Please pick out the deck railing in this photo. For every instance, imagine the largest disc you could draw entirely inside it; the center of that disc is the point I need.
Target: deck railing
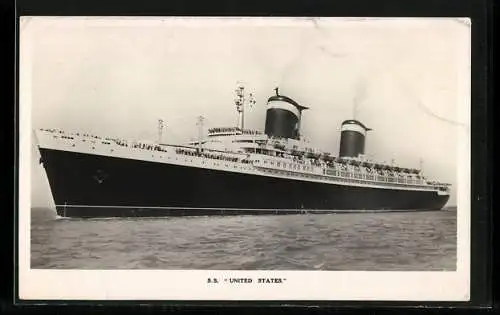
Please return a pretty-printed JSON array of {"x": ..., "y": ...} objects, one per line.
[
  {"x": 297, "y": 167},
  {"x": 346, "y": 176}
]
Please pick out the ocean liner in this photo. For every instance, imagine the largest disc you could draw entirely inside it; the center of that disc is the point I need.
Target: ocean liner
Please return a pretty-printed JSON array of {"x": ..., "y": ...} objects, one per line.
[{"x": 230, "y": 171}]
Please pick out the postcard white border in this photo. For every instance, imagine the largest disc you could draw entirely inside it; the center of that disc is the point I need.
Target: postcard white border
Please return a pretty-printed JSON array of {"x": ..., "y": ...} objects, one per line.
[{"x": 192, "y": 285}]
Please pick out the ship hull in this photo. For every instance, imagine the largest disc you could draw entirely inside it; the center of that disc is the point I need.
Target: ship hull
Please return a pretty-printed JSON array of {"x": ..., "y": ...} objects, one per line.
[{"x": 87, "y": 185}]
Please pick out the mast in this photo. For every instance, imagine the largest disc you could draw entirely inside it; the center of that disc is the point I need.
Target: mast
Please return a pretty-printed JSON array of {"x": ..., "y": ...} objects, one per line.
[
  {"x": 241, "y": 101},
  {"x": 200, "y": 130},
  {"x": 160, "y": 130}
]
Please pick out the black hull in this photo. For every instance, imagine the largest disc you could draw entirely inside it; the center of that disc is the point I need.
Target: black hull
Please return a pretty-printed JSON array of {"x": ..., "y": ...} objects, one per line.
[{"x": 85, "y": 185}]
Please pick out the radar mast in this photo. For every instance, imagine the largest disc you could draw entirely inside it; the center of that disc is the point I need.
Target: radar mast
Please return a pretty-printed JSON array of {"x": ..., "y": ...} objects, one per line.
[{"x": 241, "y": 100}]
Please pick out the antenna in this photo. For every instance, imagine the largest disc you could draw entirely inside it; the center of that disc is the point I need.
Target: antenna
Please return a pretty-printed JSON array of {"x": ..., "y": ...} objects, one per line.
[
  {"x": 199, "y": 123},
  {"x": 241, "y": 101}
]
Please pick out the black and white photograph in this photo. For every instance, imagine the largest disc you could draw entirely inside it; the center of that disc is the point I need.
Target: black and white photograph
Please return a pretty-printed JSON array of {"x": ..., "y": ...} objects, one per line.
[{"x": 215, "y": 158}]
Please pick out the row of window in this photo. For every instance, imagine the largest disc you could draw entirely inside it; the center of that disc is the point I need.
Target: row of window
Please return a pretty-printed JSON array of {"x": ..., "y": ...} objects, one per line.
[
  {"x": 291, "y": 166},
  {"x": 343, "y": 173},
  {"x": 351, "y": 177},
  {"x": 346, "y": 180}
]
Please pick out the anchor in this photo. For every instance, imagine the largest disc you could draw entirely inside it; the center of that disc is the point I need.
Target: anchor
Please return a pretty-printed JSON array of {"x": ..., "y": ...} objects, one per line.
[{"x": 100, "y": 176}]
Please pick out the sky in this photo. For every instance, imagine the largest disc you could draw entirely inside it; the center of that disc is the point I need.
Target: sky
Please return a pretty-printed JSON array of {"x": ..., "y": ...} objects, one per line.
[{"x": 117, "y": 76}]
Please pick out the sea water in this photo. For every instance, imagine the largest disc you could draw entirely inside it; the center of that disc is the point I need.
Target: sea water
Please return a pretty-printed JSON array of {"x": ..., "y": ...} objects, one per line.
[{"x": 416, "y": 241}]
